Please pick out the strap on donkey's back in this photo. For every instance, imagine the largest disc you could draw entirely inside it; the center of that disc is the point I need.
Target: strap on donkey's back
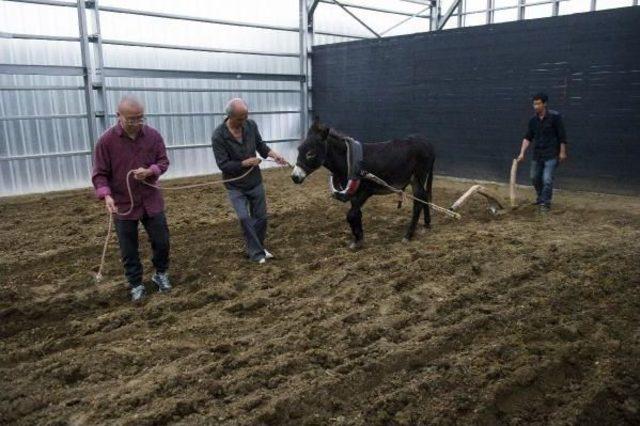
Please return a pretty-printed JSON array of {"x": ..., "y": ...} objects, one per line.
[{"x": 354, "y": 171}]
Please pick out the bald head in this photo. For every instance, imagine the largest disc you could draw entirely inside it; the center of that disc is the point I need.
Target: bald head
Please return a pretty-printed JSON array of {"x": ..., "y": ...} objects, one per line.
[
  {"x": 128, "y": 103},
  {"x": 237, "y": 112},
  {"x": 235, "y": 107},
  {"x": 131, "y": 114}
]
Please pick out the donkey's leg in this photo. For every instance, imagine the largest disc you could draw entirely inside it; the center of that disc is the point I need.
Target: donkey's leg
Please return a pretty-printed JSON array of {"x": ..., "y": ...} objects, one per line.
[
  {"x": 354, "y": 217},
  {"x": 418, "y": 186},
  {"x": 417, "y": 208}
]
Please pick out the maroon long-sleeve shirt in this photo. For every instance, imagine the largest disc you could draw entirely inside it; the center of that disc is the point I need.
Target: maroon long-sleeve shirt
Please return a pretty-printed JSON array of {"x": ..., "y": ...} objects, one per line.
[{"x": 115, "y": 154}]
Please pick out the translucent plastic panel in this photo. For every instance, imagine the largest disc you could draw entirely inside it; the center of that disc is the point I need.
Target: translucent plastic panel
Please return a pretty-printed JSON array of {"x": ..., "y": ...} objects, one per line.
[
  {"x": 184, "y": 33},
  {"x": 575, "y": 6},
  {"x": 475, "y": 6},
  {"x": 475, "y": 19},
  {"x": 538, "y": 11},
  {"x": 272, "y": 12},
  {"x": 38, "y": 52},
  {"x": 505, "y": 3},
  {"x": 505, "y": 15},
  {"x": 38, "y": 19},
  {"x": 612, "y": 4}
]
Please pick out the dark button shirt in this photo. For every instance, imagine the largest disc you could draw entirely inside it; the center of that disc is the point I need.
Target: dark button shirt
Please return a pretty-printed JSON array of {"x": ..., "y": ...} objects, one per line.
[
  {"x": 547, "y": 134},
  {"x": 230, "y": 153},
  {"x": 115, "y": 154}
]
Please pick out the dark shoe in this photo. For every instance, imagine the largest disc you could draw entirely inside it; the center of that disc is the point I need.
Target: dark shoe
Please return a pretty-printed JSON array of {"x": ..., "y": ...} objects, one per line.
[
  {"x": 137, "y": 293},
  {"x": 161, "y": 279}
]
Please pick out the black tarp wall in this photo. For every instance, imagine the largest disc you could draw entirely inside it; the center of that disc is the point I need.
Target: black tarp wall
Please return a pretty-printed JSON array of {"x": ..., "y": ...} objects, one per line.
[{"x": 469, "y": 90}]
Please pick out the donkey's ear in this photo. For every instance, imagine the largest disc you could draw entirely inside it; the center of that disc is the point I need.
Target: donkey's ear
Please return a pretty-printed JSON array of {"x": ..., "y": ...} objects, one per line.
[
  {"x": 316, "y": 121},
  {"x": 324, "y": 131}
]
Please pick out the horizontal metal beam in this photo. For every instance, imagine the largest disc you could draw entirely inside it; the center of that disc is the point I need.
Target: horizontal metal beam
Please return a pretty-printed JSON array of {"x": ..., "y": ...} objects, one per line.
[
  {"x": 424, "y": 2},
  {"x": 211, "y": 113},
  {"x": 36, "y": 88},
  {"x": 197, "y": 48},
  {"x": 197, "y": 90},
  {"x": 151, "y": 114},
  {"x": 88, "y": 151},
  {"x": 209, "y": 75},
  {"x": 46, "y": 155},
  {"x": 376, "y": 9},
  {"x": 22, "y": 36},
  {"x": 41, "y": 117},
  {"x": 195, "y": 19},
  {"x": 57, "y": 70},
  {"x": 327, "y": 33},
  {"x": 48, "y": 2},
  {"x": 208, "y": 145}
]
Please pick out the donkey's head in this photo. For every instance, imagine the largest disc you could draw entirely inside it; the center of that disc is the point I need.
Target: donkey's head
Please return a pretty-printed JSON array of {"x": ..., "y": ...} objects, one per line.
[{"x": 312, "y": 152}]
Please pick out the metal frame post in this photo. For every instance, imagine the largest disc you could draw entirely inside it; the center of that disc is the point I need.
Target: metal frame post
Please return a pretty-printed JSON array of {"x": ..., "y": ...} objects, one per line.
[
  {"x": 490, "y": 12},
  {"x": 556, "y": 8},
  {"x": 435, "y": 15},
  {"x": 593, "y": 5},
  {"x": 521, "y": 10},
  {"x": 304, "y": 69},
  {"x": 87, "y": 73},
  {"x": 99, "y": 83}
]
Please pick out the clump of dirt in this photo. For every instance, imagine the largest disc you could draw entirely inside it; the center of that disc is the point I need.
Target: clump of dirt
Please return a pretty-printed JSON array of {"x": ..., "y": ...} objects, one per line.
[{"x": 514, "y": 319}]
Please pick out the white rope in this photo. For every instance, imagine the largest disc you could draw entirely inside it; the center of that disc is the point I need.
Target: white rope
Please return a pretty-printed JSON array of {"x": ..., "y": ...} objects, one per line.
[
  {"x": 174, "y": 188},
  {"x": 437, "y": 208}
]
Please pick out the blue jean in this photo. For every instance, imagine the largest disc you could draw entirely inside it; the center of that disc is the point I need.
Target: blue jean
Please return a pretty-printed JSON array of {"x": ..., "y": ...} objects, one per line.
[
  {"x": 251, "y": 207},
  {"x": 542, "y": 172}
]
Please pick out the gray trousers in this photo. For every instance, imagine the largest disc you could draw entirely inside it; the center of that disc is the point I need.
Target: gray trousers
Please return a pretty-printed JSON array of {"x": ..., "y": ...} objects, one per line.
[{"x": 251, "y": 207}]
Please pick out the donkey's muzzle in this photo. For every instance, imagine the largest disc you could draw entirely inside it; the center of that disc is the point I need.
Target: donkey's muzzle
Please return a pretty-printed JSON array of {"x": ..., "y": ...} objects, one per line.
[{"x": 298, "y": 175}]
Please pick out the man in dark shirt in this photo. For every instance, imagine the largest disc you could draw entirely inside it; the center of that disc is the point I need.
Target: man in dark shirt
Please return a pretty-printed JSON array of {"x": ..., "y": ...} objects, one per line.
[
  {"x": 235, "y": 143},
  {"x": 132, "y": 145},
  {"x": 546, "y": 131}
]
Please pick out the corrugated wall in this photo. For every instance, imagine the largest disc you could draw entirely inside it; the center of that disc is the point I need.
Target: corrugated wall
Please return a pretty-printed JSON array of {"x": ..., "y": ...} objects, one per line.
[{"x": 54, "y": 153}]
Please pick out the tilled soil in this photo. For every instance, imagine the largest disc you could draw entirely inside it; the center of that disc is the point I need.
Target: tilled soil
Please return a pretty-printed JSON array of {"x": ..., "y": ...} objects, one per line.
[{"x": 514, "y": 319}]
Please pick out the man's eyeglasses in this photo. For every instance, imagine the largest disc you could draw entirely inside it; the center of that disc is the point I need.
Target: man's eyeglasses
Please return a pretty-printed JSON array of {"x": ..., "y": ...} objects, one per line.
[{"x": 133, "y": 121}]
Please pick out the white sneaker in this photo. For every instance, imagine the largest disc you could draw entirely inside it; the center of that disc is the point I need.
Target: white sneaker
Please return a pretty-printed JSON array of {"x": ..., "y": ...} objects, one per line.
[
  {"x": 268, "y": 255},
  {"x": 262, "y": 260}
]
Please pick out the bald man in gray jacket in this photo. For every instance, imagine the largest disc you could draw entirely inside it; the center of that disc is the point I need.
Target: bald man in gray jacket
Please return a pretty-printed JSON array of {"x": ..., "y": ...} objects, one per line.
[{"x": 235, "y": 143}]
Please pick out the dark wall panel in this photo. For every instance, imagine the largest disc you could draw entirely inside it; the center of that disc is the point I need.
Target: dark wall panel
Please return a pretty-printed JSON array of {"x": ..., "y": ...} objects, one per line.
[{"x": 469, "y": 90}]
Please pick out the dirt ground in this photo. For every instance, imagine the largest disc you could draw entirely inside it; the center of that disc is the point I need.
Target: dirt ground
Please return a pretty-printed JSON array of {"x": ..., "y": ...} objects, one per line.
[{"x": 515, "y": 319}]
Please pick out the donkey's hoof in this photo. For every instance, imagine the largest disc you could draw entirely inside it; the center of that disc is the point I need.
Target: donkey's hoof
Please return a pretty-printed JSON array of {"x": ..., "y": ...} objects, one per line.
[{"x": 356, "y": 245}]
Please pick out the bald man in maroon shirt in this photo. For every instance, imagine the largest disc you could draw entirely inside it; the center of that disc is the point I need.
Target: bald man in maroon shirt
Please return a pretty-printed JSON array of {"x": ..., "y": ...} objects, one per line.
[{"x": 132, "y": 145}]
